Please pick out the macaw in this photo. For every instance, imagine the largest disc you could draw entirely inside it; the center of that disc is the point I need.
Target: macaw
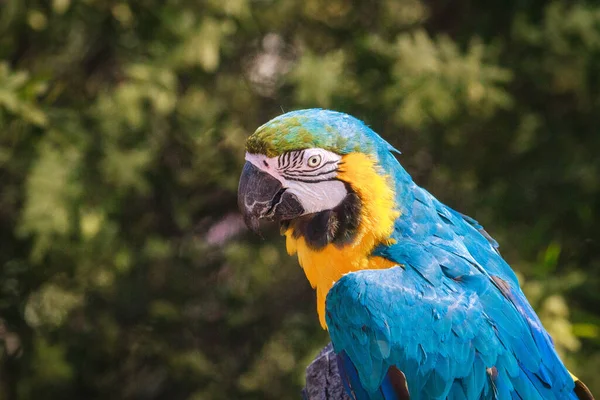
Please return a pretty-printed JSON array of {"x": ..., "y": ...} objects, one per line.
[{"x": 416, "y": 297}]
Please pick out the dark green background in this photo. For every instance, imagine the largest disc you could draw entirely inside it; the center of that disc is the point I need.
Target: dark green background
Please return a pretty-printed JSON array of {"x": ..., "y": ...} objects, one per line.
[{"x": 125, "y": 272}]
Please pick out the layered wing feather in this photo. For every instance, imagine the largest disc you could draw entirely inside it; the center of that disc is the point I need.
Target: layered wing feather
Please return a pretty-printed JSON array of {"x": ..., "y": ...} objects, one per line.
[{"x": 451, "y": 317}]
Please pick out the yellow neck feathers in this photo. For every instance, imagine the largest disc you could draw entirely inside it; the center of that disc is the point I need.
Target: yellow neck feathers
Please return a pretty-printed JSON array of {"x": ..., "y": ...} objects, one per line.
[{"x": 324, "y": 267}]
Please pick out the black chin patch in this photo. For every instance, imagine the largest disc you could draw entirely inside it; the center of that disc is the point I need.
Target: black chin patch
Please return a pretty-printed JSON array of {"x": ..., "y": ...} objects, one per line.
[
  {"x": 337, "y": 226},
  {"x": 321, "y": 229},
  {"x": 348, "y": 218}
]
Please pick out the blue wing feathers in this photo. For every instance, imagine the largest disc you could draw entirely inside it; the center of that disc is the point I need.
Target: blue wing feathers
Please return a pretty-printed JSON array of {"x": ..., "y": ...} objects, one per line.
[
  {"x": 451, "y": 317},
  {"x": 352, "y": 383}
]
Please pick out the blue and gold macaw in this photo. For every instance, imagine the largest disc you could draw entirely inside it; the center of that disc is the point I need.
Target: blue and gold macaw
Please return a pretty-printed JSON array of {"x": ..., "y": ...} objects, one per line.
[{"x": 417, "y": 300}]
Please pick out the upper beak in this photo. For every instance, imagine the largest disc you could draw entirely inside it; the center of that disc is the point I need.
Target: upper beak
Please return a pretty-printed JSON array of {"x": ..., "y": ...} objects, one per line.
[{"x": 261, "y": 196}]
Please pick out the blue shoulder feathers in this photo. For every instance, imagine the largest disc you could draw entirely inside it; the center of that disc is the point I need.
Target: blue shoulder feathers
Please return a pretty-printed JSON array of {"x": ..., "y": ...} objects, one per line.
[{"x": 450, "y": 319}]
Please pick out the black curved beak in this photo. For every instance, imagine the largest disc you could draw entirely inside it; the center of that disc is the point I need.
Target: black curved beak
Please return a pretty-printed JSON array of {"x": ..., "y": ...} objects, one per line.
[{"x": 261, "y": 196}]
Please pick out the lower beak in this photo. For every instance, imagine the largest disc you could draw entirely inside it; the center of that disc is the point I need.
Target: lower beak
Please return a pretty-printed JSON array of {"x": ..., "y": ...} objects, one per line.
[{"x": 261, "y": 196}]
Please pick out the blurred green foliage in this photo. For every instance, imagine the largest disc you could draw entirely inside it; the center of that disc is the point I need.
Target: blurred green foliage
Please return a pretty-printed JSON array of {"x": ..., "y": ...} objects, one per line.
[{"x": 125, "y": 271}]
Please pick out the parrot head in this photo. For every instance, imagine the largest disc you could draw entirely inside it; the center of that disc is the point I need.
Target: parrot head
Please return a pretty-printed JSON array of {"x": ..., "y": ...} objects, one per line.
[{"x": 331, "y": 182}]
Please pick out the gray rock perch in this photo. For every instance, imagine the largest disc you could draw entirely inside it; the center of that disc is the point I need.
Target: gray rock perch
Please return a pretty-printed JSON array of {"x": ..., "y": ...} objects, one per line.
[{"x": 323, "y": 381}]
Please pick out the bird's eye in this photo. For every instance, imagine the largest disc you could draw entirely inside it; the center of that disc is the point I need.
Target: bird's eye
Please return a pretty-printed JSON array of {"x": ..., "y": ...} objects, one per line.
[{"x": 314, "y": 161}]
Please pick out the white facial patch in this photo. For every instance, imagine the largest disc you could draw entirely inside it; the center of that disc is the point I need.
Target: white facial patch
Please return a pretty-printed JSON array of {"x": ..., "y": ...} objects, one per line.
[{"x": 310, "y": 174}]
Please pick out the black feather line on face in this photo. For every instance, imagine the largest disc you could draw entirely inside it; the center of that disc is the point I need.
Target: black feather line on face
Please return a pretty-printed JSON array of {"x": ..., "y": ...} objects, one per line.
[
  {"x": 289, "y": 178},
  {"x": 297, "y": 157},
  {"x": 302, "y": 169},
  {"x": 337, "y": 226},
  {"x": 302, "y": 174}
]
